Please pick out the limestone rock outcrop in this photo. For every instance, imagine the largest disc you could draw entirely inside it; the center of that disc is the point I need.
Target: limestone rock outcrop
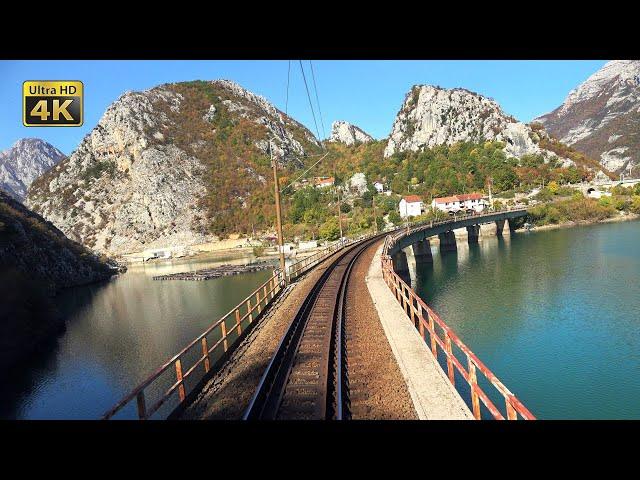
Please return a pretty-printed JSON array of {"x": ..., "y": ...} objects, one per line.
[
  {"x": 601, "y": 117},
  {"x": 345, "y": 132},
  {"x": 143, "y": 177},
  {"x": 433, "y": 116}
]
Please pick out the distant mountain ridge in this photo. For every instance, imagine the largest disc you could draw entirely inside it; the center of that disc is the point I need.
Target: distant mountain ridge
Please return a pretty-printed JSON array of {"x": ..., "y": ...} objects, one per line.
[
  {"x": 601, "y": 117},
  {"x": 25, "y": 161}
]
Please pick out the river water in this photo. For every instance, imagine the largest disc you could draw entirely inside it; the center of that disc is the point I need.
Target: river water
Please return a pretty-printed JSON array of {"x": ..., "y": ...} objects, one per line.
[
  {"x": 119, "y": 332},
  {"x": 554, "y": 314}
]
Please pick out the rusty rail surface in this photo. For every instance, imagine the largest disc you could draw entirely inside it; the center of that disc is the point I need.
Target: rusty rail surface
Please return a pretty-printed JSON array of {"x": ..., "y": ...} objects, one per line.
[
  {"x": 208, "y": 347},
  {"x": 428, "y": 322}
]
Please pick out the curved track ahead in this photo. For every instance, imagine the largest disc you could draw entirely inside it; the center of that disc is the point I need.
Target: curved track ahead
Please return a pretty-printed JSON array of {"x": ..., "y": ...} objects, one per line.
[{"x": 306, "y": 378}]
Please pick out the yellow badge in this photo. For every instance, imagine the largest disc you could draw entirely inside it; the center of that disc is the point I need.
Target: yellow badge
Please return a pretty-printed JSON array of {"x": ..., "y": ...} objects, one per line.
[{"x": 52, "y": 103}]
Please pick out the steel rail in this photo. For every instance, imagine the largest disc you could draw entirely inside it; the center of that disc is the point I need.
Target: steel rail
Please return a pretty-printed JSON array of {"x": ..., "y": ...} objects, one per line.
[{"x": 266, "y": 401}]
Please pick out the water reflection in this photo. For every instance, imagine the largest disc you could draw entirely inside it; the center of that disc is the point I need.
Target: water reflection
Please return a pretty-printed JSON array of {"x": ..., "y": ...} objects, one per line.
[{"x": 117, "y": 333}]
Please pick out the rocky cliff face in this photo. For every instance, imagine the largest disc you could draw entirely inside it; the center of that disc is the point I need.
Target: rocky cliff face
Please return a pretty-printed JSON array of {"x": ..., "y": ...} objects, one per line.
[
  {"x": 601, "y": 117},
  {"x": 345, "y": 132},
  {"x": 25, "y": 161},
  {"x": 433, "y": 116},
  {"x": 164, "y": 166}
]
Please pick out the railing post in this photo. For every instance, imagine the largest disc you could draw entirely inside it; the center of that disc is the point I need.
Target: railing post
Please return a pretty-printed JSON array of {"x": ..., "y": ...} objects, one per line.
[
  {"x": 238, "y": 321},
  {"x": 511, "y": 412},
  {"x": 181, "y": 391},
  {"x": 264, "y": 294},
  {"x": 420, "y": 320},
  {"x": 205, "y": 352},
  {"x": 434, "y": 345},
  {"x": 249, "y": 308},
  {"x": 450, "y": 371},
  {"x": 473, "y": 382},
  {"x": 223, "y": 327},
  {"x": 142, "y": 407}
]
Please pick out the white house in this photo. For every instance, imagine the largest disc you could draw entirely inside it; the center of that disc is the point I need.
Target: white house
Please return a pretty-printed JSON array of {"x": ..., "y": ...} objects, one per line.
[
  {"x": 410, "y": 206},
  {"x": 457, "y": 203},
  {"x": 379, "y": 186},
  {"x": 307, "y": 245}
]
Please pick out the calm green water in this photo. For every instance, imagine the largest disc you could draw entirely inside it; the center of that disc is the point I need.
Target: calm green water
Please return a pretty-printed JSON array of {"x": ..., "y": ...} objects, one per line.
[
  {"x": 117, "y": 334},
  {"x": 555, "y": 315}
]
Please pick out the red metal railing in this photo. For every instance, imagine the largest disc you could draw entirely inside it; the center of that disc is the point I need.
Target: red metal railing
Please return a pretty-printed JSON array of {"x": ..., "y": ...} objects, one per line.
[{"x": 442, "y": 339}]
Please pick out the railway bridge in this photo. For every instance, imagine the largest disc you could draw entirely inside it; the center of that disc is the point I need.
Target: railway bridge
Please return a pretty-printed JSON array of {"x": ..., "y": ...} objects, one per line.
[{"x": 338, "y": 335}]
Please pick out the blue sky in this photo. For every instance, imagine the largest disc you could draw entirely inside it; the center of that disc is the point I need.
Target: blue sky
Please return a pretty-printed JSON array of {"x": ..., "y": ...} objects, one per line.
[{"x": 366, "y": 93}]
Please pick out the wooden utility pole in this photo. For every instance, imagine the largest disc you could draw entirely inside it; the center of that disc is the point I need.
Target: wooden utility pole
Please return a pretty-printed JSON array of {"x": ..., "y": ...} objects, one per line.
[
  {"x": 375, "y": 218},
  {"x": 278, "y": 211},
  {"x": 339, "y": 212}
]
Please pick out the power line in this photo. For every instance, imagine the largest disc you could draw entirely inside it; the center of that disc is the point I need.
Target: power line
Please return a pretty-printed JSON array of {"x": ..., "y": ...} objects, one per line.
[
  {"x": 315, "y": 87},
  {"x": 304, "y": 77},
  {"x": 304, "y": 173}
]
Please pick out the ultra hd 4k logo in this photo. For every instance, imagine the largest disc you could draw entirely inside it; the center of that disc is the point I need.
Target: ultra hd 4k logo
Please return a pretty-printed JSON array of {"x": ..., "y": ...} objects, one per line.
[{"x": 52, "y": 103}]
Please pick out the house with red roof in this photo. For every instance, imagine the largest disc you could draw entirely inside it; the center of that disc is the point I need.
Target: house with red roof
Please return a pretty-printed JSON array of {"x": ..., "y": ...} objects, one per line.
[{"x": 460, "y": 203}]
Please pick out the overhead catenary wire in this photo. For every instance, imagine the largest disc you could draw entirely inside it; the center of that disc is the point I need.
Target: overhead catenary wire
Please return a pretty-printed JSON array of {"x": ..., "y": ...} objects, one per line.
[
  {"x": 306, "y": 86},
  {"x": 304, "y": 173},
  {"x": 315, "y": 87}
]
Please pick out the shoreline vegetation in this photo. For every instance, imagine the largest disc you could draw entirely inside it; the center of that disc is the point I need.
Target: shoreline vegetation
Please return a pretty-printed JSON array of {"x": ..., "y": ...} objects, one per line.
[{"x": 619, "y": 205}]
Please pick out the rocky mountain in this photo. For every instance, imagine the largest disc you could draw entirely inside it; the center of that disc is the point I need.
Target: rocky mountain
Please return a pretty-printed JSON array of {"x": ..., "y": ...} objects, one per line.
[
  {"x": 345, "y": 132},
  {"x": 433, "y": 116},
  {"x": 174, "y": 165},
  {"x": 25, "y": 161},
  {"x": 601, "y": 117},
  {"x": 36, "y": 261}
]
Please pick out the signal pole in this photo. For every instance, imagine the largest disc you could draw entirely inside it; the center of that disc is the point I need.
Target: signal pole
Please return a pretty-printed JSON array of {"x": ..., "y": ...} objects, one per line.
[{"x": 278, "y": 212}]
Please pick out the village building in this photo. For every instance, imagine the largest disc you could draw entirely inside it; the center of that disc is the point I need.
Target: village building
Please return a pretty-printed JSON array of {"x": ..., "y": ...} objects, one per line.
[
  {"x": 308, "y": 245},
  {"x": 460, "y": 203},
  {"x": 411, "y": 206},
  {"x": 324, "y": 182},
  {"x": 595, "y": 193},
  {"x": 379, "y": 186}
]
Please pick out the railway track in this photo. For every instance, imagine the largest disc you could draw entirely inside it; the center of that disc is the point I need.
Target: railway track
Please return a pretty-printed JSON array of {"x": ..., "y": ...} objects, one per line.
[{"x": 306, "y": 378}]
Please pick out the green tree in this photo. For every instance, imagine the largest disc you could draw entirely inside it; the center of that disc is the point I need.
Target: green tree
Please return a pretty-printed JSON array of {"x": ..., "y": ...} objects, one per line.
[
  {"x": 395, "y": 218},
  {"x": 330, "y": 230}
]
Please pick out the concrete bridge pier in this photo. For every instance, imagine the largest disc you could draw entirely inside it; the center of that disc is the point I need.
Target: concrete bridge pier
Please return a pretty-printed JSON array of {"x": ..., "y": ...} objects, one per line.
[
  {"x": 400, "y": 264},
  {"x": 422, "y": 252},
  {"x": 503, "y": 227},
  {"x": 473, "y": 232},
  {"x": 447, "y": 241}
]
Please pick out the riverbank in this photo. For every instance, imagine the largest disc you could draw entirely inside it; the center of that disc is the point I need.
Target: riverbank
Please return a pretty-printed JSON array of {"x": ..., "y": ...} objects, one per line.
[{"x": 573, "y": 223}]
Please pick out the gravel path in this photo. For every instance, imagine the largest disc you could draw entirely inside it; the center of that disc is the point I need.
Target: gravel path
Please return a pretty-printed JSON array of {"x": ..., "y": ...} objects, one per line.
[{"x": 377, "y": 388}]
